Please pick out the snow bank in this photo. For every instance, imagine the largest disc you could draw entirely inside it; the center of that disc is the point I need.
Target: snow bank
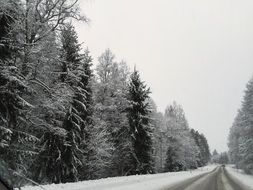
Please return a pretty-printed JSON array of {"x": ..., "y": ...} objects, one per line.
[
  {"x": 147, "y": 182},
  {"x": 241, "y": 176}
]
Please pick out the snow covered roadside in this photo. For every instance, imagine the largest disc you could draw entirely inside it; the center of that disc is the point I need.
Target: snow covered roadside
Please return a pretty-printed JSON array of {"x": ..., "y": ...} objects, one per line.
[
  {"x": 147, "y": 182},
  {"x": 241, "y": 176}
]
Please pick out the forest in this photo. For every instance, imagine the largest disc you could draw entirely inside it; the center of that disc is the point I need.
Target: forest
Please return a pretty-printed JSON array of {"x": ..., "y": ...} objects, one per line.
[
  {"x": 240, "y": 140},
  {"x": 66, "y": 116}
]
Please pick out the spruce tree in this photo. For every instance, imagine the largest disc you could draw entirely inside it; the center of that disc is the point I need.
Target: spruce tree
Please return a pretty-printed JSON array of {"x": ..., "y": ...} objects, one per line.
[
  {"x": 141, "y": 131},
  {"x": 66, "y": 117},
  {"x": 246, "y": 144},
  {"x": 16, "y": 137},
  {"x": 202, "y": 144},
  {"x": 241, "y": 133},
  {"x": 9, "y": 13},
  {"x": 78, "y": 117},
  {"x": 235, "y": 139},
  {"x": 85, "y": 96}
]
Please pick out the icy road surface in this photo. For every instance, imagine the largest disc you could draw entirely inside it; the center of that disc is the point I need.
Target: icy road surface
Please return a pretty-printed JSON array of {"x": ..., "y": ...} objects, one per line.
[
  {"x": 206, "y": 178},
  {"x": 218, "y": 179}
]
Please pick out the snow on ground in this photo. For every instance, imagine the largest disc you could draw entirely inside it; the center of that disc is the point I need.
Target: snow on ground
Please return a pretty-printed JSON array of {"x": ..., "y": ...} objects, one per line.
[
  {"x": 241, "y": 176},
  {"x": 140, "y": 182}
]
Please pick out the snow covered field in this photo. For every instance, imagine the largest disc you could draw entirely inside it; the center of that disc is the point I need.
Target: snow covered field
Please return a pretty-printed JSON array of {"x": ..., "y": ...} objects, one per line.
[
  {"x": 241, "y": 176},
  {"x": 145, "y": 182}
]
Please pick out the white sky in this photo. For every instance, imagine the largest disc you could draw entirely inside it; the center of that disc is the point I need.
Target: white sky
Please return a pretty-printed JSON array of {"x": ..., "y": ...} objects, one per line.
[{"x": 196, "y": 52}]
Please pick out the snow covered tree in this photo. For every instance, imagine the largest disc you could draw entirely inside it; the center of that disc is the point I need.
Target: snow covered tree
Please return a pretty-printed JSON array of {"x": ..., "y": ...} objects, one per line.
[
  {"x": 100, "y": 151},
  {"x": 73, "y": 122},
  {"x": 246, "y": 146},
  {"x": 215, "y": 156},
  {"x": 235, "y": 140},
  {"x": 141, "y": 131},
  {"x": 177, "y": 128},
  {"x": 16, "y": 144},
  {"x": 110, "y": 104},
  {"x": 204, "y": 149},
  {"x": 40, "y": 19},
  {"x": 9, "y": 14},
  {"x": 201, "y": 142},
  {"x": 49, "y": 115},
  {"x": 172, "y": 162},
  {"x": 241, "y": 133},
  {"x": 223, "y": 159},
  {"x": 160, "y": 140},
  {"x": 78, "y": 117},
  {"x": 17, "y": 139},
  {"x": 65, "y": 114},
  {"x": 86, "y": 81}
]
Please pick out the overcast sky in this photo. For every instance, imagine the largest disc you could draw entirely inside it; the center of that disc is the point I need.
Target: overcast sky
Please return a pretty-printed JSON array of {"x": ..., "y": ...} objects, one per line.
[{"x": 196, "y": 52}]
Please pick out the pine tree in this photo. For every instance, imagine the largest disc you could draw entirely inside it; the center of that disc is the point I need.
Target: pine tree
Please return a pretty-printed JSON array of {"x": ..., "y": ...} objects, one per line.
[{"x": 141, "y": 131}]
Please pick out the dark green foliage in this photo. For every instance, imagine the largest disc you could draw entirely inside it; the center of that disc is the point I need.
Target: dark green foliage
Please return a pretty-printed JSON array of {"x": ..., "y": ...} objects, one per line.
[
  {"x": 71, "y": 148},
  {"x": 204, "y": 152},
  {"x": 15, "y": 138},
  {"x": 70, "y": 52},
  {"x": 48, "y": 166},
  {"x": 141, "y": 131},
  {"x": 172, "y": 164},
  {"x": 241, "y": 133},
  {"x": 5, "y": 21},
  {"x": 78, "y": 117},
  {"x": 9, "y": 13},
  {"x": 16, "y": 131},
  {"x": 124, "y": 148},
  {"x": 223, "y": 158}
]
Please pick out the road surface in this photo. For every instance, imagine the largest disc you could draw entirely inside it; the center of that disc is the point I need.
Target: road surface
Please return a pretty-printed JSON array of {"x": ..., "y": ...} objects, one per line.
[{"x": 218, "y": 179}]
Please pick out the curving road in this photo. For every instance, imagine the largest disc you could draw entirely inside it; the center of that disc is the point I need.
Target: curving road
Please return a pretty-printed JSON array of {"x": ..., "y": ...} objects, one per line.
[{"x": 218, "y": 179}]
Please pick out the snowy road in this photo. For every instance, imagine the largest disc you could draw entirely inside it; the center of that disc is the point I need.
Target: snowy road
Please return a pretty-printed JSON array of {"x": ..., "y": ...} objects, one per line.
[
  {"x": 211, "y": 177},
  {"x": 218, "y": 179}
]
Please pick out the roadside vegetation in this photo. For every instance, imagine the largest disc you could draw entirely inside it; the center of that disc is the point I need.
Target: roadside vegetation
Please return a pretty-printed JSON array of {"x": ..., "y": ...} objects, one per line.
[{"x": 66, "y": 117}]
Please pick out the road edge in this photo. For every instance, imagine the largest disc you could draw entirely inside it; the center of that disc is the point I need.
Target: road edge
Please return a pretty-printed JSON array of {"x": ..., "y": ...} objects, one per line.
[
  {"x": 184, "y": 184},
  {"x": 235, "y": 182}
]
